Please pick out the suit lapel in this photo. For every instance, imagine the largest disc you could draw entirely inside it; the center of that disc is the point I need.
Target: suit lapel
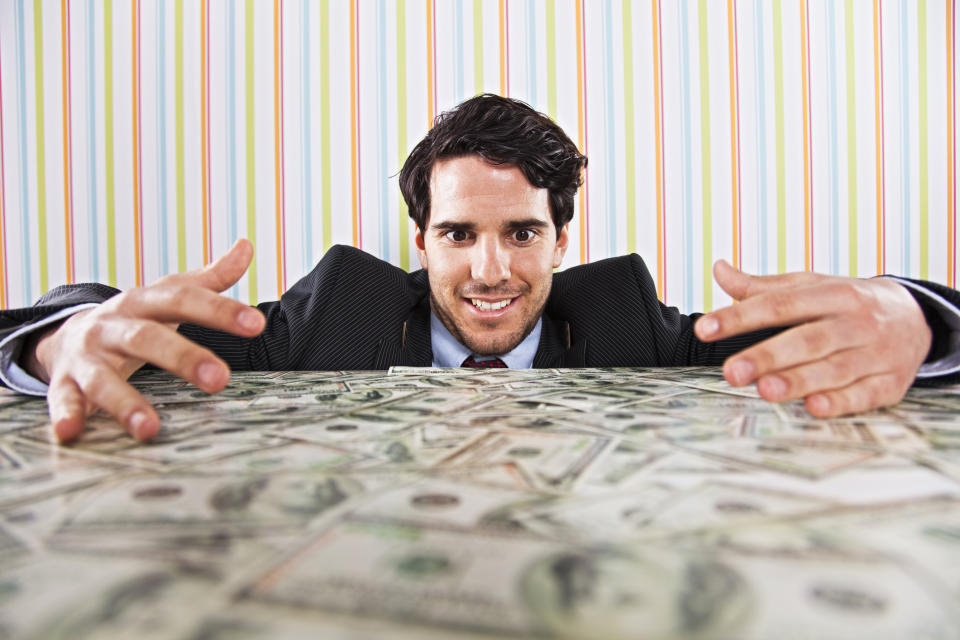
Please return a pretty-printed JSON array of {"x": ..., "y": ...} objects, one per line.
[{"x": 555, "y": 349}]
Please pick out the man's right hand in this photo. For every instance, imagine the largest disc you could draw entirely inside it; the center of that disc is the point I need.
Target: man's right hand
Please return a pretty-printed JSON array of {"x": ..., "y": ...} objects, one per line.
[{"x": 87, "y": 359}]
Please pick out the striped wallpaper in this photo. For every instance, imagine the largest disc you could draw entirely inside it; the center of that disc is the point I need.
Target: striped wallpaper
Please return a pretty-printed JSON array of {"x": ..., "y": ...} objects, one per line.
[{"x": 140, "y": 138}]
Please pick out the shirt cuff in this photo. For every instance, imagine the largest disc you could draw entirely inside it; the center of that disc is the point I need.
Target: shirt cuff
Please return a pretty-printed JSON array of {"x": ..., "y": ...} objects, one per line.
[
  {"x": 950, "y": 363},
  {"x": 11, "y": 373}
]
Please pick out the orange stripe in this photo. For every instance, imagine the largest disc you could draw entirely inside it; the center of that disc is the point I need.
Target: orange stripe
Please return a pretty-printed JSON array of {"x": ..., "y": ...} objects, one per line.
[
  {"x": 659, "y": 135},
  {"x": 136, "y": 145},
  {"x": 204, "y": 54},
  {"x": 733, "y": 134},
  {"x": 430, "y": 45},
  {"x": 580, "y": 124},
  {"x": 877, "y": 133},
  {"x": 503, "y": 49},
  {"x": 67, "y": 212},
  {"x": 276, "y": 143},
  {"x": 951, "y": 205},
  {"x": 353, "y": 118},
  {"x": 806, "y": 137}
]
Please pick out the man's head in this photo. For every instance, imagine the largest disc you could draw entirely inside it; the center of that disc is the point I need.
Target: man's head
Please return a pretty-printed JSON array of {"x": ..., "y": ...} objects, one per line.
[
  {"x": 491, "y": 190},
  {"x": 502, "y": 131}
]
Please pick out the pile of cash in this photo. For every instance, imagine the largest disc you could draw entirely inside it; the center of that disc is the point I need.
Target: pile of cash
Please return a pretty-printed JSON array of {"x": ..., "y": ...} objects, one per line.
[{"x": 438, "y": 503}]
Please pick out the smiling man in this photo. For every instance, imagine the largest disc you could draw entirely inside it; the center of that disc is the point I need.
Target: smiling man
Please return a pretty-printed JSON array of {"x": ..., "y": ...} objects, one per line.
[
  {"x": 489, "y": 247},
  {"x": 491, "y": 191}
]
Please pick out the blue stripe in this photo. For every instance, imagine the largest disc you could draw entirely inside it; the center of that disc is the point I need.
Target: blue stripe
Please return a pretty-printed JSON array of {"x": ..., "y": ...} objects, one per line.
[
  {"x": 162, "y": 221},
  {"x": 24, "y": 185},
  {"x": 92, "y": 140},
  {"x": 761, "y": 115},
  {"x": 905, "y": 136},
  {"x": 610, "y": 132},
  {"x": 232, "y": 131},
  {"x": 834, "y": 141},
  {"x": 385, "y": 217},
  {"x": 306, "y": 171},
  {"x": 685, "y": 97},
  {"x": 458, "y": 47},
  {"x": 532, "y": 52}
]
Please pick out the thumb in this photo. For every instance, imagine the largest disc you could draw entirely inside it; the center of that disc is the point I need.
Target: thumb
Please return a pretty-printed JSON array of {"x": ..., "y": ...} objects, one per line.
[
  {"x": 733, "y": 281},
  {"x": 225, "y": 271},
  {"x": 741, "y": 285}
]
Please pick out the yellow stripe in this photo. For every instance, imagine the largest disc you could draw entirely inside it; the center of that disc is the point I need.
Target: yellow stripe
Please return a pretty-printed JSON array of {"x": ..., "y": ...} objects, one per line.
[{"x": 503, "y": 49}]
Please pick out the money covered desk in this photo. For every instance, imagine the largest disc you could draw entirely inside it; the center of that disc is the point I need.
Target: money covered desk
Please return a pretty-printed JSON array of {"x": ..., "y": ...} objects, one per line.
[{"x": 421, "y": 503}]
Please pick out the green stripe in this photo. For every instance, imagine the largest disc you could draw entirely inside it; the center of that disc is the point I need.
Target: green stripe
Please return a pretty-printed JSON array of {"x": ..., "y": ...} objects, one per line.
[
  {"x": 705, "y": 160},
  {"x": 851, "y": 143},
  {"x": 404, "y": 225},
  {"x": 781, "y": 163},
  {"x": 108, "y": 142},
  {"x": 478, "y": 46},
  {"x": 181, "y": 189},
  {"x": 41, "y": 146},
  {"x": 552, "y": 57},
  {"x": 251, "y": 158},
  {"x": 629, "y": 150},
  {"x": 924, "y": 158},
  {"x": 325, "y": 122}
]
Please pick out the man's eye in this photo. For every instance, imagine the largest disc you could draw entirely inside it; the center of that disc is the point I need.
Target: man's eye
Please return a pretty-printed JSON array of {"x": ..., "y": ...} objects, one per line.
[
  {"x": 457, "y": 235},
  {"x": 523, "y": 235}
]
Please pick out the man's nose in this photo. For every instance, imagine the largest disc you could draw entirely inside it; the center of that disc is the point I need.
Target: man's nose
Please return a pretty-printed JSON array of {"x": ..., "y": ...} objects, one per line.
[{"x": 490, "y": 262}]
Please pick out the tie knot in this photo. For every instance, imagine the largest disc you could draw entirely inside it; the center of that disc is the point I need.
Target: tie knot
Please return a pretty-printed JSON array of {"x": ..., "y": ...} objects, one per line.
[{"x": 493, "y": 363}]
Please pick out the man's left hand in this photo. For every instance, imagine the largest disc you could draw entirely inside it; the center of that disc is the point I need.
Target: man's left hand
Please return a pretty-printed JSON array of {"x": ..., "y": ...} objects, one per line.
[{"x": 853, "y": 344}]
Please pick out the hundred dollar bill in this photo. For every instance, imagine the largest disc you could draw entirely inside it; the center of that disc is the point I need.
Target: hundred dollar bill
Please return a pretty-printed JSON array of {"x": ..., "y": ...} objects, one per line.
[
  {"x": 555, "y": 460},
  {"x": 237, "y": 502}
]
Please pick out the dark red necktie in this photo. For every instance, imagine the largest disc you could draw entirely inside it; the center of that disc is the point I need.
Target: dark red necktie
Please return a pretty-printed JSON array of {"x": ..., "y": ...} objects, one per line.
[{"x": 495, "y": 363}]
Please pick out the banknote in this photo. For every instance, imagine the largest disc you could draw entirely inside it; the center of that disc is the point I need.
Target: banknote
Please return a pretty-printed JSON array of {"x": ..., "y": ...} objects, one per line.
[{"x": 457, "y": 503}]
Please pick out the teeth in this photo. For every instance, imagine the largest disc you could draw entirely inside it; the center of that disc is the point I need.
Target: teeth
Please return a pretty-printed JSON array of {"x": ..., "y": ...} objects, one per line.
[{"x": 483, "y": 305}]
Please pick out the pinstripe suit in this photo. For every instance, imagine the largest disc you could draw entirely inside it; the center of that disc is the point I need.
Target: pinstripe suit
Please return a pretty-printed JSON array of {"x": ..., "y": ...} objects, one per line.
[{"x": 355, "y": 311}]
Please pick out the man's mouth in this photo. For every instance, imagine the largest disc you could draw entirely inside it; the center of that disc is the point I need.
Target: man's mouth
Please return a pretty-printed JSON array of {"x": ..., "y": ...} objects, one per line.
[{"x": 490, "y": 305}]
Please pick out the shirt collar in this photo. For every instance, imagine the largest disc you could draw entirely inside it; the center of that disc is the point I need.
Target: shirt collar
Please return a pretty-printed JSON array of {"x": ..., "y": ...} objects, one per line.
[{"x": 448, "y": 352}]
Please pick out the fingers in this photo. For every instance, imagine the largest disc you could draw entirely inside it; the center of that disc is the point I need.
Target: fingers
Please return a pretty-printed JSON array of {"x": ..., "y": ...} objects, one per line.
[
  {"x": 222, "y": 273},
  {"x": 67, "y": 409},
  {"x": 865, "y": 394},
  {"x": 145, "y": 340},
  {"x": 778, "y": 307},
  {"x": 741, "y": 285},
  {"x": 796, "y": 346},
  {"x": 835, "y": 372},
  {"x": 181, "y": 301},
  {"x": 102, "y": 387}
]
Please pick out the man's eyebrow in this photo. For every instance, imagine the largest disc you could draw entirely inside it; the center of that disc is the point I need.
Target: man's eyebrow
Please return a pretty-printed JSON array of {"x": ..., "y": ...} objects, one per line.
[
  {"x": 450, "y": 225},
  {"x": 529, "y": 223}
]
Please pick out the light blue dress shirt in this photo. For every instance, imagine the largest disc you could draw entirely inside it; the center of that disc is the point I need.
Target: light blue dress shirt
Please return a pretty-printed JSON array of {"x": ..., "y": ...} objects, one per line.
[{"x": 448, "y": 352}]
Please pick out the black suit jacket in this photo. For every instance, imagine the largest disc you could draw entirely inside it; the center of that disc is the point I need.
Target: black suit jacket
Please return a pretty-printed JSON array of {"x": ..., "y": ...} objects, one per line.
[{"x": 355, "y": 311}]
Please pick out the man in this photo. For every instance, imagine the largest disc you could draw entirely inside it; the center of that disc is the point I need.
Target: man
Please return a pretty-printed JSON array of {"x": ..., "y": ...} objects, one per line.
[{"x": 491, "y": 190}]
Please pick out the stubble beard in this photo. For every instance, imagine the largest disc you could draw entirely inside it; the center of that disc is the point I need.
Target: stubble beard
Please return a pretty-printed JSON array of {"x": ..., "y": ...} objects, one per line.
[{"x": 491, "y": 346}]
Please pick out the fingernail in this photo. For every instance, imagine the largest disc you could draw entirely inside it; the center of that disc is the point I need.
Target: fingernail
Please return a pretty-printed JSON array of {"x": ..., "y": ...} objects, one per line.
[
  {"x": 708, "y": 325},
  {"x": 819, "y": 403},
  {"x": 210, "y": 373},
  {"x": 774, "y": 387},
  {"x": 141, "y": 426},
  {"x": 742, "y": 371},
  {"x": 250, "y": 319}
]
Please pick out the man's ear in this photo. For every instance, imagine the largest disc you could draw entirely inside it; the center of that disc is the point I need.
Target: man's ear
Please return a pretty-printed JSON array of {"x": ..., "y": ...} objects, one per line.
[
  {"x": 421, "y": 248},
  {"x": 563, "y": 239}
]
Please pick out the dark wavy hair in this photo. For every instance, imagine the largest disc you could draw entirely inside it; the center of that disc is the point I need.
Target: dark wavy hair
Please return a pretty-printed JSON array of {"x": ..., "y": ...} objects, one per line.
[{"x": 501, "y": 131}]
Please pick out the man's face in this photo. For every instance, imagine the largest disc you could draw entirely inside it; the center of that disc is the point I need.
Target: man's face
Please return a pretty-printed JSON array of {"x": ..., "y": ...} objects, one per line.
[{"x": 489, "y": 249}]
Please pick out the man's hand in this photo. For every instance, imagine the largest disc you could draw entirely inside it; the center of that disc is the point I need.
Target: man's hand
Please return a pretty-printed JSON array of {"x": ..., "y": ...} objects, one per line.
[
  {"x": 88, "y": 358},
  {"x": 853, "y": 345}
]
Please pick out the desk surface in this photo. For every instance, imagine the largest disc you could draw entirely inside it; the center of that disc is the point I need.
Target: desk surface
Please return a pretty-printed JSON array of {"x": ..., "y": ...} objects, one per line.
[{"x": 432, "y": 503}]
